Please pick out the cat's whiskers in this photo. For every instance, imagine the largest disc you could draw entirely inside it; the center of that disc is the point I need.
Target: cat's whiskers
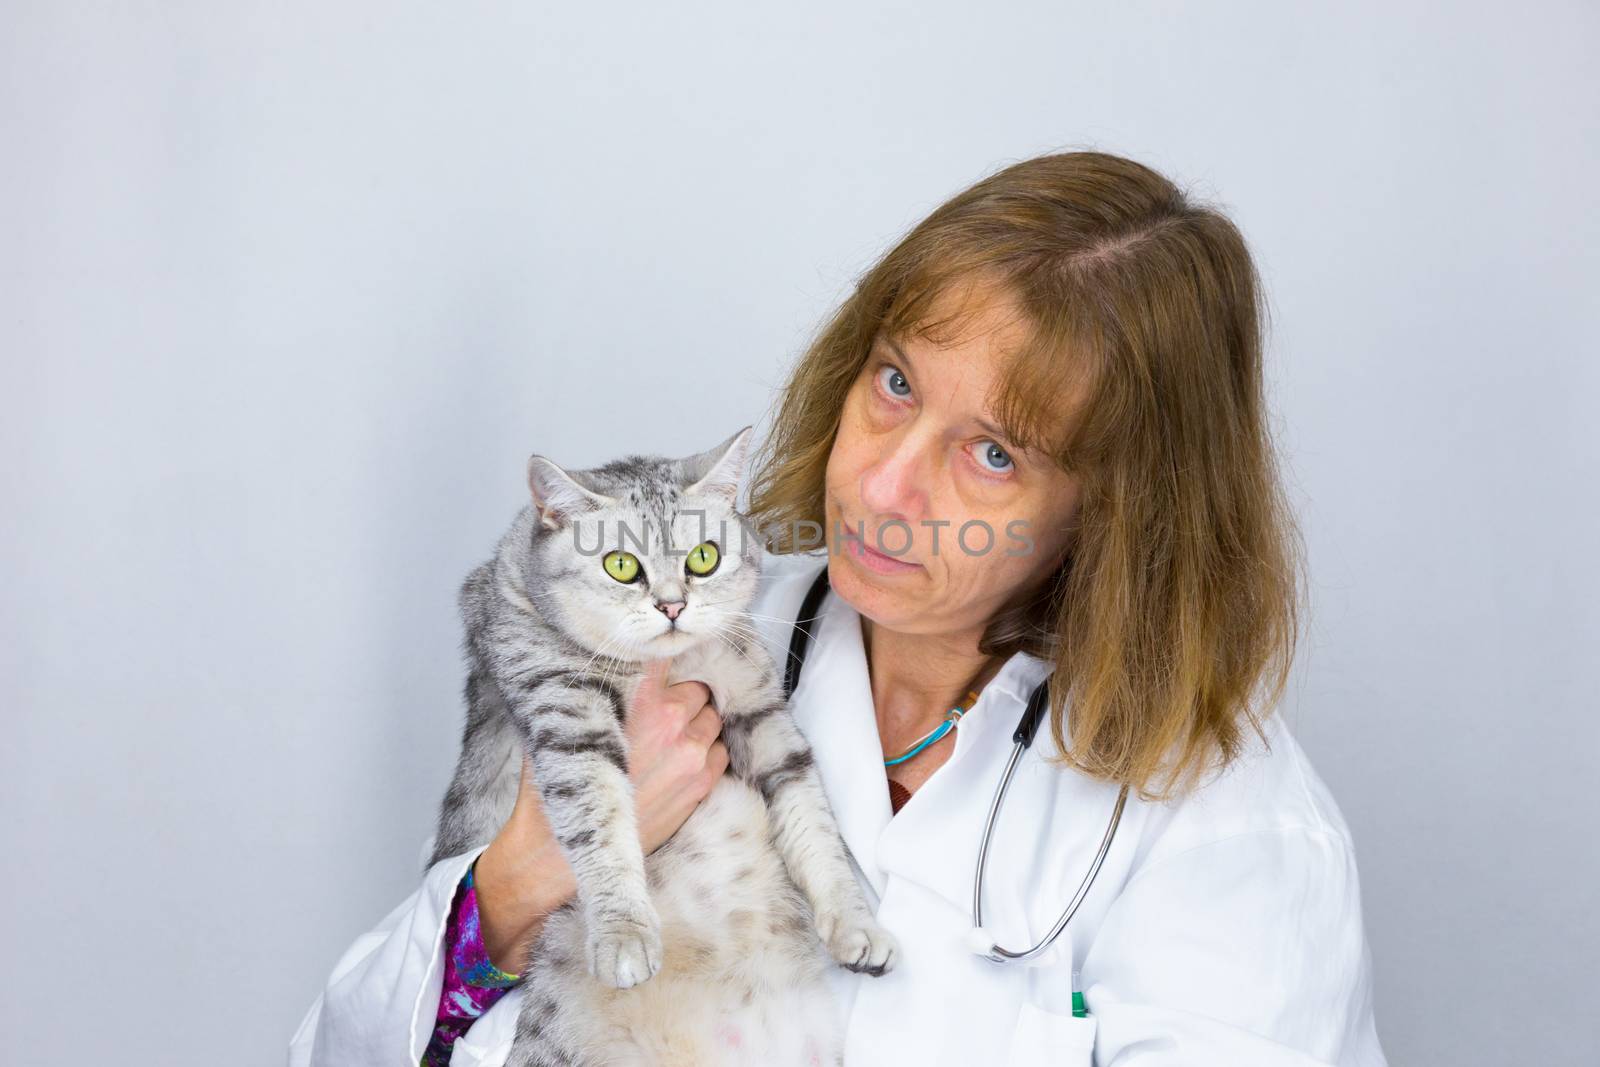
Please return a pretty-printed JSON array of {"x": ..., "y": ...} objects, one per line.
[
  {"x": 754, "y": 635},
  {"x": 725, "y": 639},
  {"x": 620, "y": 639},
  {"x": 767, "y": 618},
  {"x": 753, "y": 632}
]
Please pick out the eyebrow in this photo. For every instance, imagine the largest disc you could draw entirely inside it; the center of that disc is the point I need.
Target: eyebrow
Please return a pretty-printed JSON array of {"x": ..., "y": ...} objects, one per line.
[
  {"x": 886, "y": 339},
  {"x": 984, "y": 424}
]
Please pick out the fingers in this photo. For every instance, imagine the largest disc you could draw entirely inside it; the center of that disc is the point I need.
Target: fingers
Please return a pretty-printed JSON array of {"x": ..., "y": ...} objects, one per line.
[
  {"x": 716, "y": 761},
  {"x": 679, "y": 702},
  {"x": 525, "y": 783},
  {"x": 704, "y": 727},
  {"x": 688, "y": 698},
  {"x": 529, "y": 804},
  {"x": 716, "y": 764}
]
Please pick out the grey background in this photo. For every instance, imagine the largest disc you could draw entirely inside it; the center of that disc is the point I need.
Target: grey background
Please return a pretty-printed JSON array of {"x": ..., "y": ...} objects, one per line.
[{"x": 291, "y": 290}]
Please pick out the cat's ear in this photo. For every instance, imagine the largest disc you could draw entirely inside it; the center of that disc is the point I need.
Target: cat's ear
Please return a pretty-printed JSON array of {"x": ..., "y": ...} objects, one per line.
[
  {"x": 718, "y": 471},
  {"x": 557, "y": 499}
]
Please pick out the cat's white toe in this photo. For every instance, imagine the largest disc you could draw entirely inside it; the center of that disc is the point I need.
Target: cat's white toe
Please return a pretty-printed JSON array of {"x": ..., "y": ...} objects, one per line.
[
  {"x": 625, "y": 951},
  {"x": 858, "y": 943}
]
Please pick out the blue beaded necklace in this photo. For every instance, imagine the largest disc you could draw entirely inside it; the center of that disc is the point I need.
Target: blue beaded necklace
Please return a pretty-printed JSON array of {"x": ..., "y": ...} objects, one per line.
[{"x": 951, "y": 717}]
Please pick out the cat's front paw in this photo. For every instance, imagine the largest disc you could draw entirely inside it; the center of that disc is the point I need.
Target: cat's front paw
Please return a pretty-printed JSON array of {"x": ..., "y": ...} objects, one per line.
[
  {"x": 855, "y": 939},
  {"x": 625, "y": 948}
]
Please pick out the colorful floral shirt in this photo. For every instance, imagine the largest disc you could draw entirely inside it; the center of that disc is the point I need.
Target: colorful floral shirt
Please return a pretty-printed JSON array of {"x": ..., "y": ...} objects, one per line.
[{"x": 471, "y": 983}]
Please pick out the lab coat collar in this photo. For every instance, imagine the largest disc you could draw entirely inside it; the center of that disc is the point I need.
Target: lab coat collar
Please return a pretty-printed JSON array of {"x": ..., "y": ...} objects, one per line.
[
  {"x": 950, "y": 807},
  {"x": 833, "y": 707}
]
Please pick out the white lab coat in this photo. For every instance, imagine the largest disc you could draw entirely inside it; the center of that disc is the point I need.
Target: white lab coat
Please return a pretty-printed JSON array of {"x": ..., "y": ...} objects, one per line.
[{"x": 1223, "y": 929}]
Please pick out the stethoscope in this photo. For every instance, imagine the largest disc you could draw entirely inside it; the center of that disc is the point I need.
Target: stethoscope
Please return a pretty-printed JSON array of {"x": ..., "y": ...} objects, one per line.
[{"x": 1038, "y": 701}]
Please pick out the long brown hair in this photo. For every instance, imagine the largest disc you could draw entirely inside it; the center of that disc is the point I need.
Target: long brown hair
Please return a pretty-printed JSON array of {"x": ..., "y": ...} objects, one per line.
[{"x": 1173, "y": 619}]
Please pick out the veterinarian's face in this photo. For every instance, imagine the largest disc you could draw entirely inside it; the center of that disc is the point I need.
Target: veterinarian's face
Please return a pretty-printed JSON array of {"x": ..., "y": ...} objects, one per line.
[{"x": 920, "y": 469}]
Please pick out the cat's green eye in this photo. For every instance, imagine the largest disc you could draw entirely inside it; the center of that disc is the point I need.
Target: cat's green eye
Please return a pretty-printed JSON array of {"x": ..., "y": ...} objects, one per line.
[
  {"x": 623, "y": 566},
  {"x": 702, "y": 559}
]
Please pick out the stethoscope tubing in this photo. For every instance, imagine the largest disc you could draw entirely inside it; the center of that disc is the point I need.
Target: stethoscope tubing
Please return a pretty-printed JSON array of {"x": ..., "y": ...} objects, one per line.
[
  {"x": 996, "y": 952},
  {"x": 810, "y": 611}
]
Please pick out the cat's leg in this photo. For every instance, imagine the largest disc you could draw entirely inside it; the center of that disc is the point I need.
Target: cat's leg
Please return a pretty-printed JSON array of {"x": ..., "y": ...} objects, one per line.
[
  {"x": 575, "y": 741},
  {"x": 483, "y": 789},
  {"x": 766, "y": 749}
]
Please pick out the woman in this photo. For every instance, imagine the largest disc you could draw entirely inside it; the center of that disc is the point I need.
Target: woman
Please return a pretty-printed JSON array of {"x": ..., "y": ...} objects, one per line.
[{"x": 1034, "y": 444}]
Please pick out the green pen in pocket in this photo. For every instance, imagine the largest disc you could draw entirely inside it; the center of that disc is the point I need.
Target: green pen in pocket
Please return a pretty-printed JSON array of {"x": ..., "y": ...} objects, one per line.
[{"x": 1078, "y": 1010}]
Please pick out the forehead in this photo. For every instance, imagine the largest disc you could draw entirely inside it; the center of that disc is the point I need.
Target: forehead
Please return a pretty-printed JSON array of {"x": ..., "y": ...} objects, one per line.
[
  {"x": 952, "y": 311},
  {"x": 970, "y": 336}
]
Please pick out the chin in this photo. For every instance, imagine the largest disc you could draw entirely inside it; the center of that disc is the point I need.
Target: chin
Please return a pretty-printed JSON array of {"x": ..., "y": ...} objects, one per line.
[
  {"x": 674, "y": 641},
  {"x": 885, "y": 606}
]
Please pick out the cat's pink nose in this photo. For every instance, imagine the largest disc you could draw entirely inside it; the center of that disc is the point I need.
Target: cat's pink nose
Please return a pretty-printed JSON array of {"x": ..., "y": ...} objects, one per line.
[{"x": 670, "y": 609}]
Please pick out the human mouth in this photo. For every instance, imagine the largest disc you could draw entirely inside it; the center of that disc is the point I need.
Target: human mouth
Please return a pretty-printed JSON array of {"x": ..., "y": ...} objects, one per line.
[{"x": 874, "y": 560}]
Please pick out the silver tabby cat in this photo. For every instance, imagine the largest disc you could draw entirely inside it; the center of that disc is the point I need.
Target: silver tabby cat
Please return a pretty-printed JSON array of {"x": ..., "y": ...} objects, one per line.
[{"x": 706, "y": 952}]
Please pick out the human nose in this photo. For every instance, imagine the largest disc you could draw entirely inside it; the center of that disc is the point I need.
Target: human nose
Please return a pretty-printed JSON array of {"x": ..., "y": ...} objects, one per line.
[{"x": 894, "y": 486}]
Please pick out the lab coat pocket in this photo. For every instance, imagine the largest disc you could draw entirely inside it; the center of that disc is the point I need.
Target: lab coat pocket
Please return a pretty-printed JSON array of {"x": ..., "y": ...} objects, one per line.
[{"x": 1047, "y": 1037}]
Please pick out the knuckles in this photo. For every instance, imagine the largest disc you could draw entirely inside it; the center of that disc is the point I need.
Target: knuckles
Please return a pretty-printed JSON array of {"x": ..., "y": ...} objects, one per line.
[
  {"x": 715, "y": 764},
  {"x": 703, "y": 729},
  {"x": 688, "y": 761}
]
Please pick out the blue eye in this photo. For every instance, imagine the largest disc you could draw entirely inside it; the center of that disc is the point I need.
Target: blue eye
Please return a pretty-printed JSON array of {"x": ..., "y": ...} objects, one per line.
[
  {"x": 993, "y": 457},
  {"x": 896, "y": 381}
]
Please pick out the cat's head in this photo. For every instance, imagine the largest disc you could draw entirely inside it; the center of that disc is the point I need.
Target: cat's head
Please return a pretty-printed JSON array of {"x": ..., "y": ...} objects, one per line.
[{"x": 645, "y": 556}]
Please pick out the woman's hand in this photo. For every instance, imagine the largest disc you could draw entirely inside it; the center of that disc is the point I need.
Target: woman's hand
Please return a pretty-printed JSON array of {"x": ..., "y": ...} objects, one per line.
[{"x": 674, "y": 758}]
